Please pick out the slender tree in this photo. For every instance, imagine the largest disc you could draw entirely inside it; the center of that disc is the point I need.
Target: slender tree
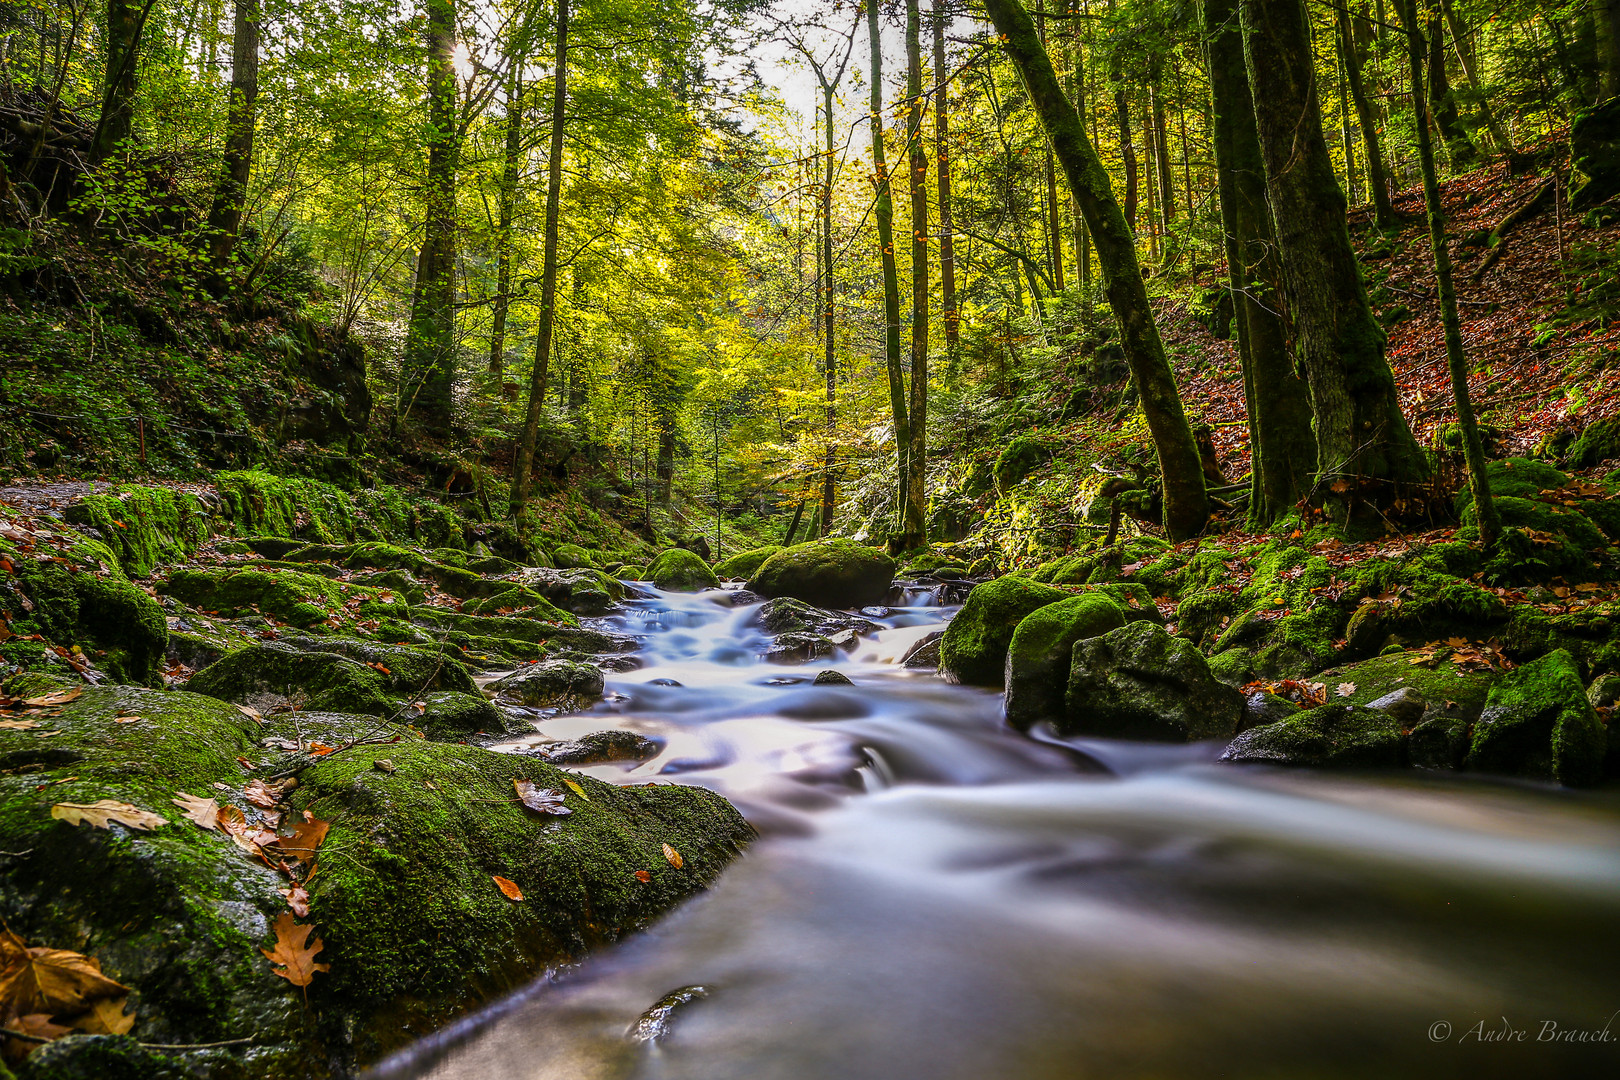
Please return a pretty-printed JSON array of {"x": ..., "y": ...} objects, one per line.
[
  {"x": 1443, "y": 114},
  {"x": 1186, "y": 504},
  {"x": 548, "y": 268},
  {"x": 430, "y": 346},
  {"x": 942, "y": 163},
  {"x": 1360, "y": 432},
  {"x": 883, "y": 212},
  {"x": 1479, "y": 482},
  {"x": 914, "y": 525},
  {"x": 126, "y": 19},
  {"x": 1054, "y": 217},
  {"x": 511, "y": 170},
  {"x": 1366, "y": 119},
  {"x": 230, "y": 193},
  {"x": 1606, "y": 17}
]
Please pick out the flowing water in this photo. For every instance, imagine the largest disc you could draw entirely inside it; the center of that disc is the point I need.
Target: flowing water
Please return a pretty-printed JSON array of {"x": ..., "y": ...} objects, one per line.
[{"x": 935, "y": 896}]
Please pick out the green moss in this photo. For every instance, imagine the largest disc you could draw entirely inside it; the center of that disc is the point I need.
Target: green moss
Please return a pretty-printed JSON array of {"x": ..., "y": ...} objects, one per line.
[
  {"x": 680, "y": 570},
  {"x": 1538, "y": 722},
  {"x": 451, "y": 716},
  {"x": 518, "y": 598},
  {"x": 572, "y": 557},
  {"x": 1335, "y": 736},
  {"x": 1140, "y": 682},
  {"x": 300, "y": 599},
  {"x": 1038, "y": 654},
  {"x": 1598, "y": 442},
  {"x": 1434, "y": 676},
  {"x": 347, "y": 676},
  {"x": 974, "y": 648},
  {"x": 827, "y": 573},
  {"x": 1064, "y": 570},
  {"x": 1022, "y": 456},
  {"x": 1541, "y": 541},
  {"x": 144, "y": 526}
]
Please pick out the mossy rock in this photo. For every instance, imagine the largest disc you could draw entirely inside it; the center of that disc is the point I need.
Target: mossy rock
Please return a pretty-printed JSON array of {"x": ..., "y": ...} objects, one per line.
[
  {"x": 95, "y": 1057},
  {"x": 1541, "y": 541},
  {"x": 1335, "y": 736},
  {"x": 1434, "y": 676},
  {"x": 580, "y": 591},
  {"x": 1022, "y": 456},
  {"x": 680, "y": 570},
  {"x": 1065, "y": 570},
  {"x": 414, "y": 928},
  {"x": 1514, "y": 478},
  {"x": 1038, "y": 656},
  {"x": 573, "y": 557},
  {"x": 144, "y": 526},
  {"x": 1538, "y": 722},
  {"x": 518, "y": 598},
  {"x": 302, "y": 600},
  {"x": 80, "y": 599},
  {"x": 741, "y": 566},
  {"x": 974, "y": 648},
  {"x": 1139, "y": 682},
  {"x": 451, "y": 716},
  {"x": 559, "y": 684},
  {"x": 271, "y": 673},
  {"x": 828, "y": 573},
  {"x": 1599, "y": 441}
]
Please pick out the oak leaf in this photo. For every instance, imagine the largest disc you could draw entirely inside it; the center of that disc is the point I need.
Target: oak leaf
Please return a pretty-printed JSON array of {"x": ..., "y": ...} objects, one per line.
[
  {"x": 57, "y": 697},
  {"x": 297, "y": 899},
  {"x": 103, "y": 812},
  {"x": 261, "y": 794},
  {"x": 18, "y": 725},
  {"x": 1345, "y": 689},
  {"x": 294, "y": 954},
  {"x": 542, "y": 800},
  {"x": 205, "y": 812},
  {"x": 305, "y": 836},
  {"x": 106, "y": 1017},
  {"x": 509, "y": 887}
]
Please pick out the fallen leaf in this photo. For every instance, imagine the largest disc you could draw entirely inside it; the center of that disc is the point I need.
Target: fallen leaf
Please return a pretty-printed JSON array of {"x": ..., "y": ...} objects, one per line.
[
  {"x": 542, "y": 800},
  {"x": 104, "y": 812},
  {"x": 18, "y": 725},
  {"x": 47, "y": 734},
  {"x": 643, "y": 877},
  {"x": 508, "y": 887},
  {"x": 320, "y": 749},
  {"x": 232, "y": 820},
  {"x": 674, "y": 857},
  {"x": 38, "y": 1025},
  {"x": 106, "y": 1017},
  {"x": 304, "y": 838},
  {"x": 576, "y": 789},
  {"x": 1345, "y": 689},
  {"x": 297, "y": 899},
  {"x": 53, "y": 981},
  {"x": 58, "y": 697},
  {"x": 261, "y": 794},
  {"x": 251, "y": 713},
  {"x": 294, "y": 954},
  {"x": 204, "y": 812},
  {"x": 126, "y": 719}
]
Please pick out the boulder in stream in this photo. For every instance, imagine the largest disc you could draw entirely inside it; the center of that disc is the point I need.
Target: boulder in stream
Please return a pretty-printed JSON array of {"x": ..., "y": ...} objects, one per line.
[
  {"x": 828, "y": 573},
  {"x": 1039, "y": 655},
  {"x": 1139, "y": 682},
  {"x": 559, "y": 684},
  {"x": 1538, "y": 722},
  {"x": 681, "y": 570},
  {"x": 974, "y": 648},
  {"x": 1329, "y": 736}
]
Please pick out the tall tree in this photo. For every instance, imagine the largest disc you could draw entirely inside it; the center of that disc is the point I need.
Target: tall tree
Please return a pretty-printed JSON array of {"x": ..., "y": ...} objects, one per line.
[
  {"x": 507, "y": 196},
  {"x": 914, "y": 522},
  {"x": 942, "y": 162},
  {"x": 1186, "y": 504},
  {"x": 1054, "y": 217},
  {"x": 1606, "y": 16},
  {"x": 883, "y": 212},
  {"x": 230, "y": 193},
  {"x": 1479, "y": 483},
  {"x": 430, "y": 342},
  {"x": 1366, "y": 120},
  {"x": 126, "y": 19},
  {"x": 548, "y": 267},
  {"x": 1443, "y": 112},
  {"x": 1127, "y": 149},
  {"x": 1360, "y": 432},
  {"x": 1282, "y": 450}
]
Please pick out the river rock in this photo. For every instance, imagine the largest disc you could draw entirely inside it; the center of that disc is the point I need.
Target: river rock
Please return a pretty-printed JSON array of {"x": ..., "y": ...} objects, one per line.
[
  {"x": 925, "y": 653},
  {"x": 560, "y": 684},
  {"x": 681, "y": 570},
  {"x": 582, "y": 590},
  {"x": 276, "y": 672},
  {"x": 1538, "y": 722},
  {"x": 1261, "y": 708},
  {"x": 1440, "y": 742},
  {"x": 974, "y": 648},
  {"x": 1329, "y": 736},
  {"x": 741, "y": 566},
  {"x": 1406, "y": 705},
  {"x": 798, "y": 648},
  {"x": 600, "y": 746},
  {"x": 828, "y": 573},
  {"x": 832, "y": 678},
  {"x": 1038, "y": 657},
  {"x": 1139, "y": 682}
]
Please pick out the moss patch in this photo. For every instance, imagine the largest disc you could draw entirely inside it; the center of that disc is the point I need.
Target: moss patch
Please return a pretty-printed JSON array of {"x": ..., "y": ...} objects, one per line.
[{"x": 974, "y": 648}]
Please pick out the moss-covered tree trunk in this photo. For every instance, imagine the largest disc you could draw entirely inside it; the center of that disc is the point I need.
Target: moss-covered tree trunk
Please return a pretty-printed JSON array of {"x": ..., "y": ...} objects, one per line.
[
  {"x": 1442, "y": 105},
  {"x": 430, "y": 345},
  {"x": 914, "y": 526},
  {"x": 1186, "y": 505},
  {"x": 1479, "y": 483},
  {"x": 1360, "y": 432},
  {"x": 548, "y": 267},
  {"x": 125, "y": 19},
  {"x": 829, "y": 465},
  {"x": 1127, "y": 151},
  {"x": 230, "y": 193},
  {"x": 1606, "y": 14},
  {"x": 883, "y": 213},
  {"x": 1282, "y": 448},
  {"x": 942, "y": 162},
  {"x": 1367, "y": 120},
  {"x": 511, "y": 167}
]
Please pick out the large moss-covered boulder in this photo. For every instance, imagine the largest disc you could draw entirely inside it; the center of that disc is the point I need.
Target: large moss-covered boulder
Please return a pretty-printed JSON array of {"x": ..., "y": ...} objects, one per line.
[
  {"x": 1039, "y": 654},
  {"x": 1599, "y": 441},
  {"x": 1538, "y": 722},
  {"x": 741, "y": 566},
  {"x": 1432, "y": 674},
  {"x": 680, "y": 570},
  {"x": 274, "y": 672},
  {"x": 300, "y": 599},
  {"x": 451, "y": 716},
  {"x": 582, "y": 591},
  {"x": 827, "y": 573},
  {"x": 560, "y": 684},
  {"x": 974, "y": 648},
  {"x": 573, "y": 557},
  {"x": 1330, "y": 736},
  {"x": 413, "y": 925},
  {"x": 71, "y": 592},
  {"x": 1022, "y": 456},
  {"x": 1139, "y": 682}
]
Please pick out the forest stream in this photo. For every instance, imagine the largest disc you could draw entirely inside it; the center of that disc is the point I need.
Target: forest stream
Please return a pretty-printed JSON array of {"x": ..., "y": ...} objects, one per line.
[{"x": 935, "y": 895}]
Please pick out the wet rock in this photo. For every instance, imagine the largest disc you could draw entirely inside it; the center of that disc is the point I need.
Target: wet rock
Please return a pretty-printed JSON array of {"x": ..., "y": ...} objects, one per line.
[
  {"x": 787, "y": 615},
  {"x": 974, "y": 648},
  {"x": 1139, "y": 682},
  {"x": 827, "y": 573},
  {"x": 681, "y": 570},
  {"x": 798, "y": 648},
  {"x": 561, "y": 684},
  {"x": 572, "y": 557},
  {"x": 448, "y": 716},
  {"x": 276, "y": 672},
  {"x": 1406, "y": 705},
  {"x": 742, "y": 565},
  {"x": 1261, "y": 708},
  {"x": 1538, "y": 722},
  {"x": 1435, "y": 679},
  {"x": 657, "y": 1022},
  {"x": 300, "y": 599},
  {"x": 94, "y": 1057},
  {"x": 1438, "y": 743},
  {"x": 925, "y": 653},
  {"x": 1038, "y": 657},
  {"x": 875, "y": 612},
  {"x": 1329, "y": 736},
  {"x": 600, "y": 746},
  {"x": 845, "y": 639},
  {"x": 832, "y": 678},
  {"x": 581, "y": 591}
]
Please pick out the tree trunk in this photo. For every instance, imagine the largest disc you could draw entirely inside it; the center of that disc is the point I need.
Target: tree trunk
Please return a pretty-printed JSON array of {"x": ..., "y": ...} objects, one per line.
[
  {"x": 125, "y": 19},
  {"x": 829, "y": 475},
  {"x": 1443, "y": 107},
  {"x": 1054, "y": 216},
  {"x": 942, "y": 154},
  {"x": 511, "y": 164},
  {"x": 1360, "y": 431},
  {"x": 1161, "y": 149},
  {"x": 230, "y": 194},
  {"x": 1281, "y": 447},
  {"x": 1077, "y": 90},
  {"x": 1367, "y": 120},
  {"x": 1467, "y": 61},
  {"x": 666, "y": 456},
  {"x": 1186, "y": 506},
  {"x": 548, "y": 269},
  {"x": 1490, "y": 522},
  {"x": 1606, "y": 14},
  {"x": 883, "y": 211},
  {"x": 430, "y": 347},
  {"x": 1122, "y": 106},
  {"x": 914, "y": 525},
  {"x": 1345, "y": 138}
]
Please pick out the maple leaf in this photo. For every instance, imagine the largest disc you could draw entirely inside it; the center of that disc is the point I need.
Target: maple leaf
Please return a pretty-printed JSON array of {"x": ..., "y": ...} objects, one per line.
[
  {"x": 106, "y": 1017},
  {"x": 58, "y": 697},
  {"x": 294, "y": 954},
  {"x": 541, "y": 800},
  {"x": 509, "y": 887},
  {"x": 305, "y": 837},
  {"x": 104, "y": 812},
  {"x": 674, "y": 857},
  {"x": 204, "y": 812},
  {"x": 52, "y": 981}
]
